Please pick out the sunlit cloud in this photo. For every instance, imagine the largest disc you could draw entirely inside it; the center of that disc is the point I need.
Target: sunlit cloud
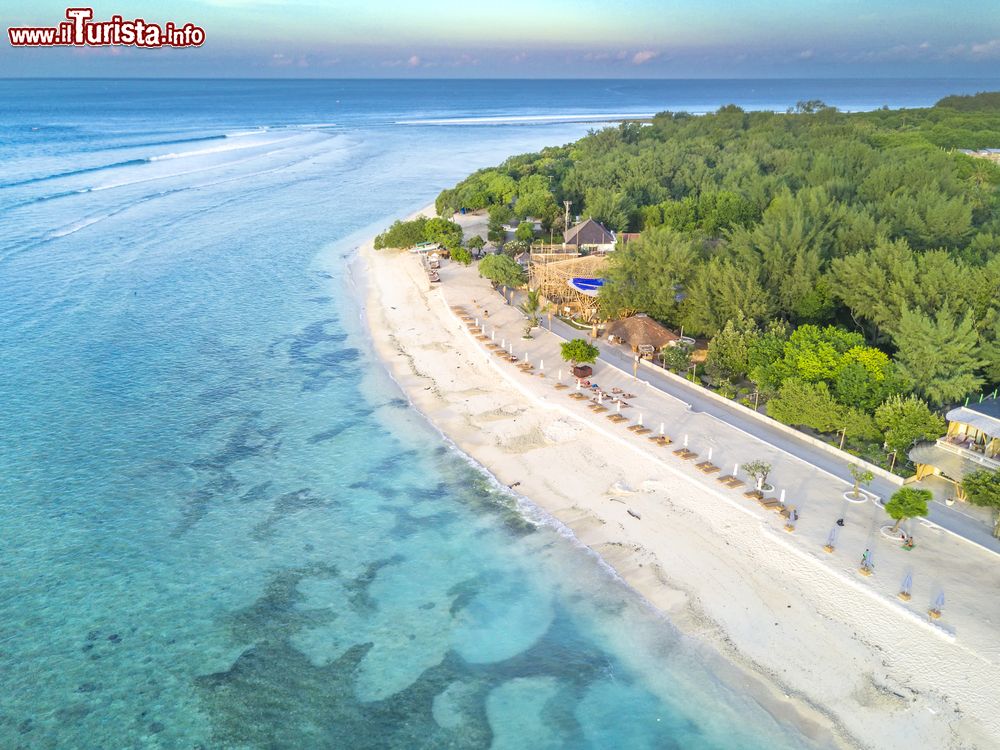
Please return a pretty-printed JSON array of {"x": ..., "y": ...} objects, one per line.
[{"x": 643, "y": 57}]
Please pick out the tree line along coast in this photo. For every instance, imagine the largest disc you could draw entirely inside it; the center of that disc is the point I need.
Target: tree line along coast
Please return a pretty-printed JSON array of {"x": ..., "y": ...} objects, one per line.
[{"x": 841, "y": 270}]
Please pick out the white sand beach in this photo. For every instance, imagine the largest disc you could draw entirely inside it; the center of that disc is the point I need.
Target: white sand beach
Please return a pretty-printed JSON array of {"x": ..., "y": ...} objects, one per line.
[{"x": 815, "y": 641}]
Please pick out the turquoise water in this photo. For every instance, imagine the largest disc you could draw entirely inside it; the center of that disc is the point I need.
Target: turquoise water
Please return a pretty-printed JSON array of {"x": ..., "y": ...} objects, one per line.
[{"x": 222, "y": 524}]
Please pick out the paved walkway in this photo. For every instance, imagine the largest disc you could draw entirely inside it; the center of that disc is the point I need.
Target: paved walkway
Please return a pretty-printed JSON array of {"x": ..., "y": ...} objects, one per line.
[
  {"x": 941, "y": 563},
  {"x": 951, "y": 518}
]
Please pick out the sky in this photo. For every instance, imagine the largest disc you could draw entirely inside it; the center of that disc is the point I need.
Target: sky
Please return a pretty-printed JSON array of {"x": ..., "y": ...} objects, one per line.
[{"x": 533, "y": 39}]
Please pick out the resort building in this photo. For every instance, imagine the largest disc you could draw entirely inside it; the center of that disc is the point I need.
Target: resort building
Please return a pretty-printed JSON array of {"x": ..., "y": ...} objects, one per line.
[
  {"x": 972, "y": 444},
  {"x": 589, "y": 237}
]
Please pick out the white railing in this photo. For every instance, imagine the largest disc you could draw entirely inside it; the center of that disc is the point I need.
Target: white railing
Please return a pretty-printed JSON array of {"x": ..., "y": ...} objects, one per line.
[{"x": 970, "y": 455}]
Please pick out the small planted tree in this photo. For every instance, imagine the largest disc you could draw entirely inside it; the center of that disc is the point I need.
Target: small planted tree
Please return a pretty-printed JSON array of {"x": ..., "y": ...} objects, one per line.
[
  {"x": 461, "y": 255},
  {"x": 475, "y": 243},
  {"x": 579, "y": 351},
  {"x": 907, "y": 502},
  {"x": 982, "y": 488},
  {"x": 676, "y": 358},
  {"x": 759, "y": 471},
  {"x": 861, "y": 476},
  {"x": 530, "y": 307}
]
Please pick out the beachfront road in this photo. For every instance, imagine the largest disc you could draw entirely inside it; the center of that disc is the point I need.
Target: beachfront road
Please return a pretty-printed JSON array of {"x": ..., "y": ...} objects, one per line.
[{"x": 952, "y": 519}]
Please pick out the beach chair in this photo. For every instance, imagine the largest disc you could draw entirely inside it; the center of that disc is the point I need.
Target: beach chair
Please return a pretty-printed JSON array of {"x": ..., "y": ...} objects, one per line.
[{"x": 707, "y": 467}]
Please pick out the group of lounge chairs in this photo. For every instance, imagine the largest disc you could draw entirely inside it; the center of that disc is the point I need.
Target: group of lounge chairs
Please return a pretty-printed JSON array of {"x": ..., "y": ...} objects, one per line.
[{"x": 596, "y": 396}]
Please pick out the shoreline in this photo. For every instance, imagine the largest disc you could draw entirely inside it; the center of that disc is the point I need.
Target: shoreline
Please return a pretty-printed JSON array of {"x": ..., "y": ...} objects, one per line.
[{"x": 396, "y": 302}]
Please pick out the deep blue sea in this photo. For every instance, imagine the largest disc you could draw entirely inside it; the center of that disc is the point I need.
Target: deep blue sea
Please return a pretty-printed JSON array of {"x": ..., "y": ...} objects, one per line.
[{"x": 221, "y": 525}]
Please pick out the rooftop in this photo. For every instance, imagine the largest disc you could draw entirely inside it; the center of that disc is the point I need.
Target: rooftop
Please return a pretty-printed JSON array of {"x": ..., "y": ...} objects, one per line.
[
  {"x": 588, "y": 232},
  {"x": 641, "y": 329},
  {"x": 954, "y": 464},
  {"x": 983, "y": 415}
]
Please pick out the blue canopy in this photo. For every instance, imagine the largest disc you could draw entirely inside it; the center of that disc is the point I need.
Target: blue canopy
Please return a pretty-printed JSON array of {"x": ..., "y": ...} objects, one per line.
[{"x": 590, "y": 287}]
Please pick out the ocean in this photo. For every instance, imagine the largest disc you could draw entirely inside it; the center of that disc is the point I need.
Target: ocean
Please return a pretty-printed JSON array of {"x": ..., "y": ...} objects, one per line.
[{"x": 222, "y": 524}]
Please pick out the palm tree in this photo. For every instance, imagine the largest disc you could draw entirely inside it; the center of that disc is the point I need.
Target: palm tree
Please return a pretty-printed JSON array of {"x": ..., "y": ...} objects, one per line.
[{"x": 530, "y": 307}]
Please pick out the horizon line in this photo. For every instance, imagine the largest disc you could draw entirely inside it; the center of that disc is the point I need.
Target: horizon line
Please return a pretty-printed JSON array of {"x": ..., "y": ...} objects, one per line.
[{"x": 995, "y": 78}]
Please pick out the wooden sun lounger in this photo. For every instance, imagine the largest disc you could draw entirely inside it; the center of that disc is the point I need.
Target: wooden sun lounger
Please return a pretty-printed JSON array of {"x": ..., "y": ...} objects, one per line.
[
  {"x": 616, "y": 418},
  {"x": 661, "y": 440},
  {"x": 769, "y": 503},
  {"x": 482, "y": 337},
  {"x": 639, "y": 429},
  {"x": 577, "y": 395},
  {"x": 561, "y": 386},
  {"x": 685, "y": 454},
  {"x": 707, "y": 467},
  {"x": 730, "y": 481},
  {"x": 753, "y": 495}
]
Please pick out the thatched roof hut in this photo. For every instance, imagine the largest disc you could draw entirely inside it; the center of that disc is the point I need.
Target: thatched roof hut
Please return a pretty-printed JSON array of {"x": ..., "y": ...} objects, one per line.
[{"x": 641, "y": 330}]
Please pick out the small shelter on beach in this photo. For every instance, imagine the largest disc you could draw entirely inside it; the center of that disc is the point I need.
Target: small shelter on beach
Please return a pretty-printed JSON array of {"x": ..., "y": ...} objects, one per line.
[
  {"x": 589, "y": 236},
  {"x": 641, "y": 331},
  {"x": 971, "y": 444}
]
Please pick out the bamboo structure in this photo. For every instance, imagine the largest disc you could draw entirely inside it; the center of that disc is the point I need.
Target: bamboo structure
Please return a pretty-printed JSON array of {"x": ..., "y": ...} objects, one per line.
[{"x": 549, "y": 273}]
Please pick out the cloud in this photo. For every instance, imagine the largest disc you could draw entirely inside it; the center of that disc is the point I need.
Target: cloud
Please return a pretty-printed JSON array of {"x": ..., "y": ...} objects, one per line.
[
  {"x": 806, "y": 54},
  {"x": 643, "y": 57},
  {"x": 413, "y": 62},
  {"x": 986, "y": 50}
]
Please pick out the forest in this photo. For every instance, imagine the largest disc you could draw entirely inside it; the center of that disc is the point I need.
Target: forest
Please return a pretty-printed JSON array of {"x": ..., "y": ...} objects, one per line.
[{"x": 843, "y": 267}]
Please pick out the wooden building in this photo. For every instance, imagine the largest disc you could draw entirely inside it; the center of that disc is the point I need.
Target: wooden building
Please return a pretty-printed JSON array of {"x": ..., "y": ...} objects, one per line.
[{"x": 972, "y": 444}]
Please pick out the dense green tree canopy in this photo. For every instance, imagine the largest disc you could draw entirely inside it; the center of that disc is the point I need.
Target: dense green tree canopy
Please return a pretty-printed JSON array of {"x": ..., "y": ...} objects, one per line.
[
  {"x": 839, "y": 261},
  {"x": 404, "y": 234},
  {"x": 502, "y": 270},
  {"x": 904, "y": 421}
]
